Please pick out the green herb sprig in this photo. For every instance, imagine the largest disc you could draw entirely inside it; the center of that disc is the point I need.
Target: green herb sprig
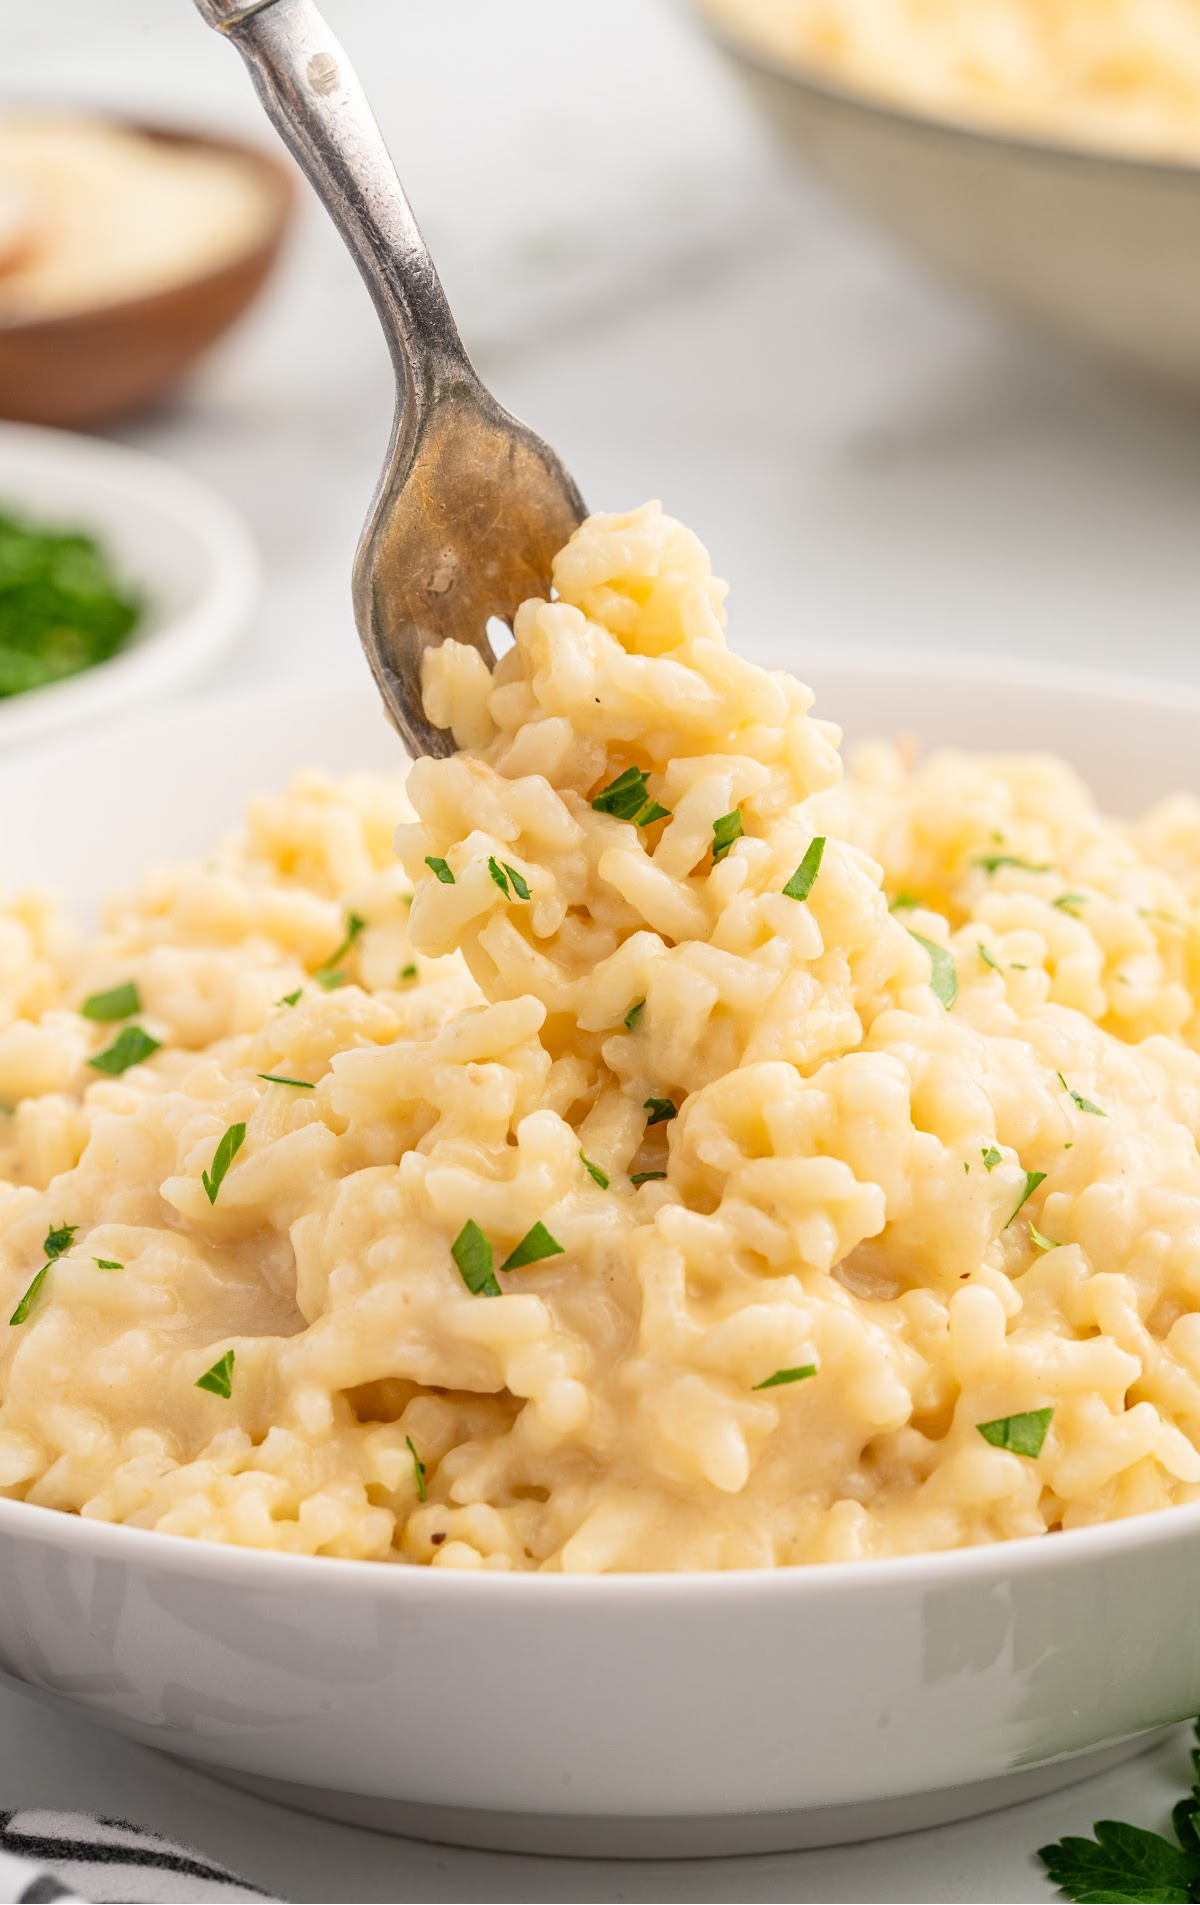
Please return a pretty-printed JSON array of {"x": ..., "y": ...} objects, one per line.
[
  {"x": 804, "y": 878},
  {"x": 132, "y": 1046},
  {"x": 227, "y": 1149},
  {"x": 1128, "y": 1863}
]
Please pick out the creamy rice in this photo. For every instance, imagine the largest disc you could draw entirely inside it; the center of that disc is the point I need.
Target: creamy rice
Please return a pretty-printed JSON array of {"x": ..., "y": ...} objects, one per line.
[
  {"x": 905, "y": 1170},
  {"x": 1122, "y": 73}
]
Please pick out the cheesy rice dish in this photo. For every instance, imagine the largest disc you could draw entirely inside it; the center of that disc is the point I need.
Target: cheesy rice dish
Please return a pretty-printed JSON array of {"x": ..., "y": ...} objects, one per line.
[
  {"x": 1107, "y": 73},
  {"x": 680, "y": 1156}
]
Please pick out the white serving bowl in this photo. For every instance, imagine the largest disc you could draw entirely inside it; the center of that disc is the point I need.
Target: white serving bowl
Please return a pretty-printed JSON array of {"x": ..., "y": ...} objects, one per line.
[
  {"x": 170, "y": 538},
  {"x": 1100, "y": 248},
  {"x": 642, "y": 1714}
]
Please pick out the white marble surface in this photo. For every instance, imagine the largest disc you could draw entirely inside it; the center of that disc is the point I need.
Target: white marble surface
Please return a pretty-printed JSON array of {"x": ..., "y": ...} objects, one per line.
[{"x": 870, "y": 459}]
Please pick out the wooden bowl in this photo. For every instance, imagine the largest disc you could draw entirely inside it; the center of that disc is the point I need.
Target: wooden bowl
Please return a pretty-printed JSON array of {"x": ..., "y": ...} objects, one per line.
[{"x": 93, "y": 366}]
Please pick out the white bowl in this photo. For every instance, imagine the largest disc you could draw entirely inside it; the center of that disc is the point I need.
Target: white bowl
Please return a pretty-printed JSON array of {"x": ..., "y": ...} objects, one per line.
[
  {"x": 170, "y": 538},
  {"x": 1100, "y": 248},
  {"x": 641, "y": 1714}
]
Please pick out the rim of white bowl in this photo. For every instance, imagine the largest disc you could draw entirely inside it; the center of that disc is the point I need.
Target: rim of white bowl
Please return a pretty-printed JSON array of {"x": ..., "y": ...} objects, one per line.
[
  {"x": 947, "y": 1567},
  {"x": 186, "y": 643},
  {"x": 810, "y": 78}
]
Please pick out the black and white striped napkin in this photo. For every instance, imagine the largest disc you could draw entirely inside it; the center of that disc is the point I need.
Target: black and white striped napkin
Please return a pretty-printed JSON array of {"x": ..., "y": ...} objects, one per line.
[{"x": 73, "y": 1857}]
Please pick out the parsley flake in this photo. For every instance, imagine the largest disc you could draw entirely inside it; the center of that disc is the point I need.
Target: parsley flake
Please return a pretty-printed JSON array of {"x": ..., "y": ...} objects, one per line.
[
  {"x": 1069, "y": 901},
  {"x": 354, "y": 926},
  {"x": 989, "y": 959},
  {"x": 534, "y": 1247},
  {"x": 517, "y": 881},
  {"x": 783, "y": 1376},
  {"x": 331, "y": 977},
  {"x": 228, "y": 1148},
  {"x": 59, "y": 1241},
  {"x": 219, "y": 1379},
  {"x": 725, "y": 831},
  {"x": 661, "y": 1110},
  {"x": 107, "y": 1263},
  {"x": 130, "y": 1047},
  {"x": 651, "y": 812},
  {"x": 440, "y": 868},
  {"x": 21, "y": 1313},
  {"x": 418, "y": 1468},
  {"x": 1032, "y": 1180},
  {"x": 803, "y": 879},
  {"x": 301, "y": 1084},
  {"x": 1043, "y": 1243},
  {"x": 594, "y": 1171},
  {"x": 991, "y": 1158},
  {"x": 903, "y": 902},
  {"x": 991, "y": 862},
  {"x": 473, "y": 1254},
  {"x": 943, "y": 973},
  {"x": 1085, "y": 1104},
  {"x": 409, "y": 971},
  {"x": 290, "y": 998},
  {"x": 646, "y": 1177},
  {"x": 634, "y": 1014},
  {"x": 121, "y": 1003},
  {"x": 1020, "y": 1435},
  {"x": 628, "y": 798},
  {"x": 498, "y": 874}
]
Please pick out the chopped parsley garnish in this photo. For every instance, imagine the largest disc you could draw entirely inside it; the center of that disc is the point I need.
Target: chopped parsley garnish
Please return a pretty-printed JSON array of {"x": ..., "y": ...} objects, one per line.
[
  {"x": 661, "y": 1110},
  {"x": 1020, "y": 1435},
  {"x": 473, "y": 1254},
  {"x": 628, "y": 798},
  {"x": 783, "y": 1376},
  {"x": 1043, "y": 1243},
  {"x": 418, "y": 1468},
  {"x": 354, "y": 926},
  {"x": 228, "y": 1148},
  {"x": 331, "y": 977},
  {"x": 1125, "y": 1862},
  {"x": 594, "y": 1171},
  {"x": 725, "y": 831},
  {"x": 290, "y": 998},
  {"x": 903, "y": 902},
  {"x": 990, "y": 862},
  {"x": 219, "y": 1379},
  {"x": 130, "y": 1047},
  {"x": 1085, "y": 1104},
  {"x": 634, "y": 1014},
  {"x": 943, "y": 973},
  {"x": 646, "y": 1177},
  {"x": 21, "y": 1313},
  {"x": 989, "y": 959},
  {"x": 1069, "y": 901},
  {"x": 534, "y": 1246},
  {"x": 440, "y": 868},
  {"x": 517, "y": 881},
  {"x": 498, "y": 875},
  {"x": 107, "y": 1263},
  {"x": 409, "y": 971},
  {"x": 59, "y": 1241},
  {"x": 62, "y": 608},
  {"x": 120, "y": 1003},
  {"x": 992, "y": 1158},
  {"x": 504, "y": 876},
  {"x": 801, "y": 883},
  {"x": 1168, "y": 919},
  {"x": 301, "y": 1084},
  {"x": 1032, "y": 1180}
]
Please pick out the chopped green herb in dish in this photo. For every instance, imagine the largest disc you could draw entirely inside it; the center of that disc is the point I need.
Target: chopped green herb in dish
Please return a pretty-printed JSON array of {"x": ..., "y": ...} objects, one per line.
[
  {"x": 646, "y": 1177},
  {"x": 418, "y": 1468},
  {"x": 473, "y": 1254},
  {"x": 783, "y": 1376},
  {"x": 992, "y": 862},
  {"x": 440, "y": 869},
  {"x": 803, "y": 879},
  {"x": 991, "y": 1158},
  {"x": 219, "y": 1379},
  {"x": 1021, "y": 1435},
  {"x": 274, "y": 1078},
  {"x": 725, "y": 831},
  {"x": 1032, "y": 1180},
  {"x": 634, "y": 1014},
  {"x": 132, "y": 1046},
  {"x": 120, "y": 1003},
  {"x": 1085, "y": 1104},
  {"x": 21, "y": 1313},
  {"x": 227, "y": 1149},
  {"x": 943, "y": 973},
  {"x": 62, "y": 608},
  {"x": 534, "y": 1247},
  {"x": 594, "y": 1172},
  {"x": 661, "y": 1110},
  {"x": 628, "y": 798},
  {"x": 107, "y": 1263}
]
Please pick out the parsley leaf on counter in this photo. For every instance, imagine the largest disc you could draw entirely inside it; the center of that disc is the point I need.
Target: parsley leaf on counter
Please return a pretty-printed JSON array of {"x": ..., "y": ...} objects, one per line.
[
  {"x": 783, "y": 1376},
  {"x": 1021, "y": 1435},
  {"x": 440, "y": 868},
  {"x": 534, "y": 1246},
  {"x": 228, "y": 1148},
  {"x": 661, "y": 1110},
  {"x": 1085, "y": 1104},
  {"x": 473, "y": 1254},
  {"x": 418, "y": 1468},
  {"x": 130, "y": 1047},
  {"x": 725, "y": 831},
  {"x": 594, "y": 1171},
  {"x": 943, "y": 973},
  {"x": 119, "y": 1003},
  {"x": 803, "y": 879},
  {"x": 1127, "y": 1863},
  {"x": 219, "y": 1379}
]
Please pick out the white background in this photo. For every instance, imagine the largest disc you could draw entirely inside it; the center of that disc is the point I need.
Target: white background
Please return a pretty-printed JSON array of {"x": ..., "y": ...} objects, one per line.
[{"x": 870, "y": 458}]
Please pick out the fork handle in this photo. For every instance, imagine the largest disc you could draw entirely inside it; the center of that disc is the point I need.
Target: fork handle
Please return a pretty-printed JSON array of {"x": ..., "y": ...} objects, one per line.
[{"x": 312, "y": 96}]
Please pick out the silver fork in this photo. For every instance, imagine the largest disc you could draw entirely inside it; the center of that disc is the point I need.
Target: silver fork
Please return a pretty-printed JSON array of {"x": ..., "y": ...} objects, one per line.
[{"x": 471, "y": 506}]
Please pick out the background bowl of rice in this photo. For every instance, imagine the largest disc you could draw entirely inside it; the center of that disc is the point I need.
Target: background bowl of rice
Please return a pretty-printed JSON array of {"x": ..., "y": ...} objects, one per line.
[{"x": 1075, "y": 210}]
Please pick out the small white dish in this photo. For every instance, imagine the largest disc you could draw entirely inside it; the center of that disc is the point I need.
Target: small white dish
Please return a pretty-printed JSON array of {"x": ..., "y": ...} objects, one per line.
[
  {"x": 168, "y": 537},
  {"x": 640, "y": 1714}
]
